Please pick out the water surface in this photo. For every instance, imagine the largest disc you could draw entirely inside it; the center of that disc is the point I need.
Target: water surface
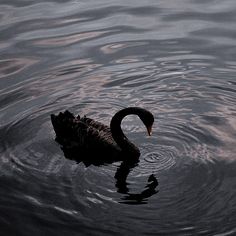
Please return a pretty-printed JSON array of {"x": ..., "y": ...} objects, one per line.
[{"x": 176, "y": 59}]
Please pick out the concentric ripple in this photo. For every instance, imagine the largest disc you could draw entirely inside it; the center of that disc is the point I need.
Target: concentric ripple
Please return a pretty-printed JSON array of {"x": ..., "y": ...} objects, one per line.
[
  {"x": 162, "y": 159},
  {"x": 26, "y": 147}
]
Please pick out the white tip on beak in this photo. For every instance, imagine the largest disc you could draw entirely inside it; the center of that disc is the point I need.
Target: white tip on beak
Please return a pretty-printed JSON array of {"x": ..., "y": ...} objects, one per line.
[{"x": 149, "y": 130}]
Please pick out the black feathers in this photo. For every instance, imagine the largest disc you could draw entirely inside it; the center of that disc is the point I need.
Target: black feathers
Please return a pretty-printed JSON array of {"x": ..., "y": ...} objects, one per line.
[{"x": 88, "y": 139}]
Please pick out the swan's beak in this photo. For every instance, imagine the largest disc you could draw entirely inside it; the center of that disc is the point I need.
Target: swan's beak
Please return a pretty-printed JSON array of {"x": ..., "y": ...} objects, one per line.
[{"x": 149, "y": 130}]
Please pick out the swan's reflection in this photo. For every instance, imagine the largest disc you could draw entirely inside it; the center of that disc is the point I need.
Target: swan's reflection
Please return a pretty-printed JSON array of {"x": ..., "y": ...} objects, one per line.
[
  {"x": 121, "y": 175},
  {"x": 121, "y": 184}
]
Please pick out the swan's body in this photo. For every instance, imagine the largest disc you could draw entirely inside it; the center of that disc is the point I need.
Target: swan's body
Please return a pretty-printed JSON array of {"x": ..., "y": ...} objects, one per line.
[{"x": 92, "y": 137}]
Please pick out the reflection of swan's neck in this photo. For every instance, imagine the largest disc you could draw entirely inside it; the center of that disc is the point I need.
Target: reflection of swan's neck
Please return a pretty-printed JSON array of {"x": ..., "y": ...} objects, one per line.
[{"x": 118, "y": 134}]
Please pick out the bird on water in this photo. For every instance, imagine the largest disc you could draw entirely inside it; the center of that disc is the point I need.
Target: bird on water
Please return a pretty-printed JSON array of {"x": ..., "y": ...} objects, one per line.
[
  {"x": 91, "y": 142},
  {"x": 97, "y": 140}
]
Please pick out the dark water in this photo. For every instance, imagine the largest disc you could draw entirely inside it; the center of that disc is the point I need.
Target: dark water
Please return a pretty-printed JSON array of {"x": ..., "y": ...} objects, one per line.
[{"x": 175, "y": 58}]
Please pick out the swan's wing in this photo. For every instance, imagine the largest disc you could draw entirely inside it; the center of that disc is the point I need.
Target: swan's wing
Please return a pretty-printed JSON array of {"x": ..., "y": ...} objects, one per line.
[
  {"x": 83, "y": 133},
  {"x": 100, "y": 140},
  {"x": 99, "y": 134},
  {"x": 95, "y": 124},
  {"x": 91, "y": 140}
]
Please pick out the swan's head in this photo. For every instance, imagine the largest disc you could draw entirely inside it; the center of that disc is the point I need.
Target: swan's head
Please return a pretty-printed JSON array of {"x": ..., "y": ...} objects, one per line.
[{"x": 148, "y": 120}]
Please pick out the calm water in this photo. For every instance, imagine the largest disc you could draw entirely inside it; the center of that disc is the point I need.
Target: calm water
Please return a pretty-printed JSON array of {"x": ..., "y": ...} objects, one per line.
[{"x": 175, "y": 58}]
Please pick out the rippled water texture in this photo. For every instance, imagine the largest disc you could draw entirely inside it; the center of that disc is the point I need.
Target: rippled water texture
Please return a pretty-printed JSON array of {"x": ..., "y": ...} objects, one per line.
[{"x": 175, "y": 58}]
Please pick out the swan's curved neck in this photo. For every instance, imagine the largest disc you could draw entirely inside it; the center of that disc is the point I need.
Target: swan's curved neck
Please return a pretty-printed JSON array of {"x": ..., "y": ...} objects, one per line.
[{"x": 118, "y": 134}]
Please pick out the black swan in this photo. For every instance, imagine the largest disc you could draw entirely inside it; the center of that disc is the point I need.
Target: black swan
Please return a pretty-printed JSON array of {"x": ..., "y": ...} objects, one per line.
[
  {"x": 95, "y": 139},
  {"x": 88, "y": 141}
]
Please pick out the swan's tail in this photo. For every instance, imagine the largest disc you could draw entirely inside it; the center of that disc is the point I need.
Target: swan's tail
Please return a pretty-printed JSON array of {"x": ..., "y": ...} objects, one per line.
[{"x": 64, "y": 123}]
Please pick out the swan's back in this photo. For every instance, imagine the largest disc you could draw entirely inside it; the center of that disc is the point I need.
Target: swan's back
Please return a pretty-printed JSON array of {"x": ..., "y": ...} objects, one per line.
[
  {"x": 84, "y": 133},
  {"x": 95, "y": 124}
]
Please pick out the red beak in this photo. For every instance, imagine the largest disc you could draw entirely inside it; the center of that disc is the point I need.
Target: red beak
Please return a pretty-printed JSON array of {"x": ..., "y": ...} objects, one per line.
[{"x": 149, "y": 130}]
